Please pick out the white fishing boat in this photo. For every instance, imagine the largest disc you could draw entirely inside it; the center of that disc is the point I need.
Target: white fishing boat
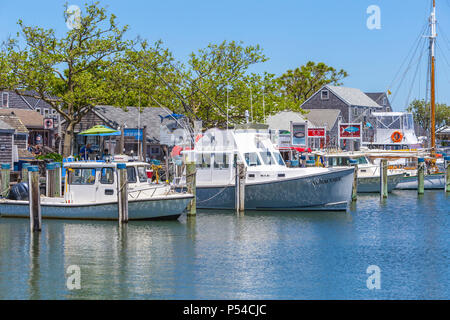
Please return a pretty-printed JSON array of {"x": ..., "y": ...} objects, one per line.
[
  {"x": 269, "y": 184},
  {"x": 368, "y": 172},
  {"x": 406, "y": 163},
  {"x": 90, "y": 192}
]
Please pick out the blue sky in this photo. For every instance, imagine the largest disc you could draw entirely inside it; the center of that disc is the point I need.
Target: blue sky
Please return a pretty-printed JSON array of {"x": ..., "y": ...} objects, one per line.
[{"x": 290, "y": 32}]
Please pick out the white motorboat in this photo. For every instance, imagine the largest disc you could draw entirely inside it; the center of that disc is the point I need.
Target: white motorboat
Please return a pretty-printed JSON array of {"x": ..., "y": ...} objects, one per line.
[
  {"x": 368, "y": 173},
  {"x": 90, "y": 192},
  {"x": 269, "y": 184}
]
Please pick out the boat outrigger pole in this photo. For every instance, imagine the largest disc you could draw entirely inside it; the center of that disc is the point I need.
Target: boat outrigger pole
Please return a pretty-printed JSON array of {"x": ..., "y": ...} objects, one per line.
[{"x": 432, "y": 76}]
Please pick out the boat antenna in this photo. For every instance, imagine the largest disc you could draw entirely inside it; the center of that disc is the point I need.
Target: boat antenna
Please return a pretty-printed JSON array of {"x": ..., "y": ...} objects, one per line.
[
  {"x": 228, "y": 87},
  {"x": 251, "y": 103},
  {"x": 264, "y": 108}
]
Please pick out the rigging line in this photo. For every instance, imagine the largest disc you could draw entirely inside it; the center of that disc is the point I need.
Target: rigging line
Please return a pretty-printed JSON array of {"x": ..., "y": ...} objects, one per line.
[
  {"x": 415, "y": 74},
  {"x": 406, "y": 70},
  {"x": 444, "y": 36},
  {"x": 409, "y": 52}
]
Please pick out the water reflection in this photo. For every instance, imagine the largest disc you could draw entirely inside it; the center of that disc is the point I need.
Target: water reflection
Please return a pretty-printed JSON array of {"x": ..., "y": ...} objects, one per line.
[{"x": 222, "y": 255}]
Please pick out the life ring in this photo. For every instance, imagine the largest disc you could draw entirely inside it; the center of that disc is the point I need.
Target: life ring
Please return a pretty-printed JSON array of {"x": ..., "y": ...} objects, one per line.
[{"x": 397, "y": 136}]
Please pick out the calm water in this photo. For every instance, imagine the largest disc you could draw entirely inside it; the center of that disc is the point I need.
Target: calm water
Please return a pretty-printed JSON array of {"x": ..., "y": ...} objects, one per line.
[{"x": 219, "y": 255}]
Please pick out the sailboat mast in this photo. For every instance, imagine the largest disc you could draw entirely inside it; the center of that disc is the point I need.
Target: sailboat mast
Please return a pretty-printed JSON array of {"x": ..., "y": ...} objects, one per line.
[{"x": 432, "y": 75}]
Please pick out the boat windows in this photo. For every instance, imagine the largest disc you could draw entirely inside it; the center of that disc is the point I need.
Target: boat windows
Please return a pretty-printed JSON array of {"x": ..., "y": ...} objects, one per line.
[
  {"x": 107, "y": 176},
  {"x": 82, "y": 176},
  {"x": 252, "y": 159},
  {"x": 338, "y": 161},
  {"x": 267, "y": 158},
  {"x": 362, "y": 160},
  {"x": 131, "y": 174},
  {"x": 142, "y": 173},
  {"x": 203, "y": 160},
  {"x": 221, "y": 161},
  {"x": 279, "y": 158}
]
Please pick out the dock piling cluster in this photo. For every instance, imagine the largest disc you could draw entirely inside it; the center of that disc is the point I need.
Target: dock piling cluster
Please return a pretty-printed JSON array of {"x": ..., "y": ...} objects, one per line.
[
  {"x": 354, "y": 163},
  {"x": 191, "y": 172}
]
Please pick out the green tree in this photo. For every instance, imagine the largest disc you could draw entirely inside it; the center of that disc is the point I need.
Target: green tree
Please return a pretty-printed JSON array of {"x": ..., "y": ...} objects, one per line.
[
  {"x": 72, "y": 73},
  {"x": 303, "y": 82},
  {"x": 421, "y": 113}
]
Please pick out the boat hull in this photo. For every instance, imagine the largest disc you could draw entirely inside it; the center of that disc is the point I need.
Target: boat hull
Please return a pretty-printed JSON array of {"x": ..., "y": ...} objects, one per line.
[
  {"x": 433, "y": 181},
  {"x": 328, "y": 191},
  {"x": 372, "y": 184},
  {"x": 137, "y": 210}
]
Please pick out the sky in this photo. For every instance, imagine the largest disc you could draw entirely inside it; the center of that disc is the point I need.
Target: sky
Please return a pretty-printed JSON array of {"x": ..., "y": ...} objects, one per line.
[{"x": 291, "y": 33}]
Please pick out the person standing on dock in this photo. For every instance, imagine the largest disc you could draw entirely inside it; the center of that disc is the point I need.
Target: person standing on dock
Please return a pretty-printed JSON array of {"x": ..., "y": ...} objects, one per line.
[{"x": 85, "y": 151}]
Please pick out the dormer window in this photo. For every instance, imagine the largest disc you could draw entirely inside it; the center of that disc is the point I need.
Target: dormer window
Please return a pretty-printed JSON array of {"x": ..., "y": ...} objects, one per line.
[
  {"x": 324, "y": 94},
  {"x": 5, "y": 100}
]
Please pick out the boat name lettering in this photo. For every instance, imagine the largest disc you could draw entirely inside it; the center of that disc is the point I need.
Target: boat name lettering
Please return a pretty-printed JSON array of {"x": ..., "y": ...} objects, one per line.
[{"x": 324, "y": 181}]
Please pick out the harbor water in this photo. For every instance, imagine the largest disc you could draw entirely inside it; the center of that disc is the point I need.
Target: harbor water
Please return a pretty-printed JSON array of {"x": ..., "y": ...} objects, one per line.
[{"x": 220, "y": 255}]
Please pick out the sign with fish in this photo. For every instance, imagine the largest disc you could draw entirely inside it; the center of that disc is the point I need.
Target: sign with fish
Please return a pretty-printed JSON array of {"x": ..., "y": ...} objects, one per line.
[
  {"x": 350, "y": 130},
  {"x": 316, "y": 132},
  {"x": 299, "y": 134}
]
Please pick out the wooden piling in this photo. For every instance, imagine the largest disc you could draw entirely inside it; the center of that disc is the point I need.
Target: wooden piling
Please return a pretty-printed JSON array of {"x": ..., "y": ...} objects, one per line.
[
  {"x": 383, "y": 178},
  {"x": 5, "y": 179},
  {"x": 241, "y": 173},
  {"x": 354, "y": 163},
  {"x": 447, "y": 173},
  {"x": 421, "y": 176},
  {"x": 58, "y": 184},
  {"x": 191, "y": 185},
  {"x": 24, "y": 173},
  {"x": 34, "y": 199},
  {"x": 50, "y": 179},
  {"x": 122, "y": 192}
]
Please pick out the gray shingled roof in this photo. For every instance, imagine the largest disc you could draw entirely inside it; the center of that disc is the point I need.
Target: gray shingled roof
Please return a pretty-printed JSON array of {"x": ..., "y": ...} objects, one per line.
[
  {"x": 149, "y": 117},
  {"x": 354, "y": 97},
  {"x": 5, "y": 127},
  {"x": 282, "y": 120},
  {"x": 323, "y": 117}
]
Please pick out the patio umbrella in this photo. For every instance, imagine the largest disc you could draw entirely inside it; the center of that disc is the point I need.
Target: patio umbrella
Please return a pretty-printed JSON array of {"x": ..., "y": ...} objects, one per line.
[{"x": 100, "y": 130}]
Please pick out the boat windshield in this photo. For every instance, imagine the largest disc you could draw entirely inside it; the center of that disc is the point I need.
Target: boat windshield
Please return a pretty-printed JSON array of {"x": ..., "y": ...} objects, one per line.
[
  {"x": 81, "y": 176},
  {"x": 279, "y": 158},
  {"x": 252, "y": 159},
  {"x": 338, "y": 161},
  {"x": 142, "y": 173},
  {"x": 267, "y": 158},
  {"x": 362, "y": 160}
]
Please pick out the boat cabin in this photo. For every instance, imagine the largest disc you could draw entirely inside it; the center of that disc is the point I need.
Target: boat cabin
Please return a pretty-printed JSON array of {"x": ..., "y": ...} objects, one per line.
[
  {"x": 90, "y": 181},
  {"x": 216, "y": 153}
]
